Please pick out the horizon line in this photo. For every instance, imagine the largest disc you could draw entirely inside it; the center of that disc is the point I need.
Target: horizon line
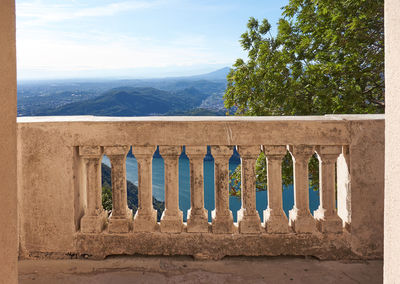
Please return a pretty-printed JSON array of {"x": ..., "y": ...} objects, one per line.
[{"x": 119, "y": 77}]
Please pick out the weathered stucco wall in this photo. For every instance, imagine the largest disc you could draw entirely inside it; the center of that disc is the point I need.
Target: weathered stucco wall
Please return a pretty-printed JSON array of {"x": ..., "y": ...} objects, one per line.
[
  {"x": 8, "y": 145},
  {"x": 392, "y": 156},
  {"x": 47, "y": 191},
  {"x": 367, "y": 171},
  {"x": 52, "y": 198}
]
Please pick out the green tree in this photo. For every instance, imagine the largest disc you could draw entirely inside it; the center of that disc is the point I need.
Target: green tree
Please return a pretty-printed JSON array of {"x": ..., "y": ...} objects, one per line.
[
  {"x": 327, "y": 57},
  {"x": 106, "y": 197}
]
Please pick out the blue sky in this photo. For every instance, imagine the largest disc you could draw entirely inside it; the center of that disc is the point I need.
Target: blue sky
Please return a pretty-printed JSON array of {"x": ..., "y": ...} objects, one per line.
[{"x": 133, "y": 38}]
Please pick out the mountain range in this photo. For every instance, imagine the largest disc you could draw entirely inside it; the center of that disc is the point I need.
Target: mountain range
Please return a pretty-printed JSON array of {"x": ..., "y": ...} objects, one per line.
[
  {"x": 192, "y": 95},
  {"x": 129, "y": 101}
]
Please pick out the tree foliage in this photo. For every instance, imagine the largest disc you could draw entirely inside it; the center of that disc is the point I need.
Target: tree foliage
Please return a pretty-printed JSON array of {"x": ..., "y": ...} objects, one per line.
[
  {"x": 261, "y": 174},
  {"x": 327, "y": 57},
  {"x": 106, "y": 197}
]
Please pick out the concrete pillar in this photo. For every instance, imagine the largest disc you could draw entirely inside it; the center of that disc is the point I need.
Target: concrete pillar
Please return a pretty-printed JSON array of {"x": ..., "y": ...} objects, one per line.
[
  {"x": 275, "y": 219},
  {"x": 248, "y": 218},
  {"x": 300, "y": 217},
  {"x": 121, "y": 216},
  {"x": 8, "y": 145},
  {"x": 392, "y": 146},
  {"x": 197, "y": 214},
  {"x": 95, "y": 216},
  {"x": 326, "y": 215},
  {"x": 172, "y": 217},
  {"x": 366, "y": 166},
  {"x": 222, "y": 218},
  {"x": 146, "y": 216}
]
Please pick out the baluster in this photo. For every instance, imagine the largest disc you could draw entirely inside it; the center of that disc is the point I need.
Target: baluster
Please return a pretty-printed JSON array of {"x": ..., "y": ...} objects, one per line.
[
  {"x": 121, "y": 216},
  {"x": 222, "y": 219},
  {"x": 274, "y": 217},
  {"x": 146, "y": 216},
  {"x": 172, "y": 217},
  {"x": 95, "y": 216},
  {"x": 248, "y": 218},
  {"x": 326, "y": 214},
  {"x": 197, "y": 214},
  {"x": 300, "y": 217}
]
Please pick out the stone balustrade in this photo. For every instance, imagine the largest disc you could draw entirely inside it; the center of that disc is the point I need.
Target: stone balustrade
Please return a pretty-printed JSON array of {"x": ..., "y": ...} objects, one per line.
[
  {"x": 60, "y": 186},
  {"x": 325, "y": 219}
]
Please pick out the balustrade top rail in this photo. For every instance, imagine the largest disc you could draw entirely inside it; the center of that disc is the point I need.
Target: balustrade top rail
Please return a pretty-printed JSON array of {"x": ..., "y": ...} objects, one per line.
[
  {"x": 231, "y": 130},
  {"x": 89, "y": 118}
]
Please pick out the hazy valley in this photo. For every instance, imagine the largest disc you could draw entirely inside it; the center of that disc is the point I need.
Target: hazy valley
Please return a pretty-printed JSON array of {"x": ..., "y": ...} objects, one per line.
[{"x": 194, "y": 95}]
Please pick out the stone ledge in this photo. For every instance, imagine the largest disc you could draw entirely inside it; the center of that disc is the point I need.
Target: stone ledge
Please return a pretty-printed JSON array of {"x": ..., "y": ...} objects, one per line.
[
  {"x": 217, "y": 246},
  {"x": 206, "y": 246},
  {"x": 91, "y": 118}
]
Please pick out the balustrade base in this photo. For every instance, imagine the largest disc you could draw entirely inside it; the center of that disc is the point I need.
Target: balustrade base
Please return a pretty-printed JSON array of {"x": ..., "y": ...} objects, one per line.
[
  {"x": 328, "y": 224},
  {"x": 302, "y": 222},
  {"x": 222, "y": 224},
  {"x": 197, "y": 221},
  {"x": 94, "y": 224},
  {"x": 171, "y": 223},
  {"x": 216, "y": 246},
  {"x": 276, "y": 223},
  {"x": 120, "y": 225},
  {"x": 248, "y": 224},
  {"x": 145, "y": 222}
]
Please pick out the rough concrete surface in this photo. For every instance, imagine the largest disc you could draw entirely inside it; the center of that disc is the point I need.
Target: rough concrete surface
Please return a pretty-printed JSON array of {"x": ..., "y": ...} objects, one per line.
[
  {"x": 213, "y": 246},
  {"x": 186, "y": 270}
]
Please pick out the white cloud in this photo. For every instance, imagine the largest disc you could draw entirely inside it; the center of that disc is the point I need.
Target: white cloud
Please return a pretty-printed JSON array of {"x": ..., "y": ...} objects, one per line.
[
  {"x": 46, "y": 44},
  {"x": 40, "y": 13},
  {"x": 48, "y": 50},
  {"x": 114, "y": 8}
]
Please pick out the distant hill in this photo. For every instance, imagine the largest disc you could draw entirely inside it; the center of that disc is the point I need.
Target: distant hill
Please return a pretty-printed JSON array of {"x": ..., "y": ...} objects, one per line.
[
  {"x": 132, "y": 101},
  {"x": 197, "y": 112},
  {"x": 77, "y": 96},
  {"x": 217, "y": 75},
  {"x": 177, "y": 83},
  {"x": 132, "y": 191}
]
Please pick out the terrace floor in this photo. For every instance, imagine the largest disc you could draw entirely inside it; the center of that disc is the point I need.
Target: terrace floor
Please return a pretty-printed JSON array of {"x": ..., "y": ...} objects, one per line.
[{"x": 141, "y": 269}]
